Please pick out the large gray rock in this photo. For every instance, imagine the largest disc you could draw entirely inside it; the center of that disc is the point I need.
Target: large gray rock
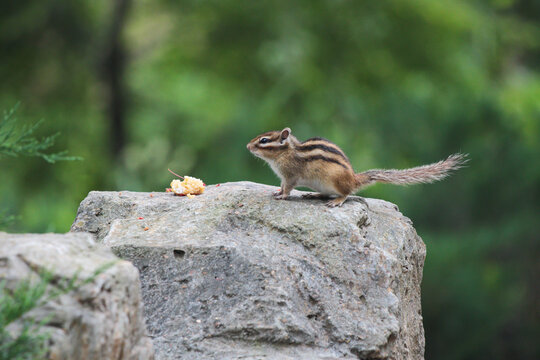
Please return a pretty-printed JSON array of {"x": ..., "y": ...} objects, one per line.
[
  {"x": 235, "y": 274},
  {"x": 99, "y": 320}
]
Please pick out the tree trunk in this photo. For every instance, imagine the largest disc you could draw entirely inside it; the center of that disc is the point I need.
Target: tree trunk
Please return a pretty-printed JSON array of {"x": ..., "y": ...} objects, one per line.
[{"x": 112, "y": 72}]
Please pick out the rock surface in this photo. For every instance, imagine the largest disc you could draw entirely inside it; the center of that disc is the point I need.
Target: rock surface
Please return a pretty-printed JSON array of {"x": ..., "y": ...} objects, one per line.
[
  {"x": 235, "y": 274},
  {"x": 101, "y": 319}
]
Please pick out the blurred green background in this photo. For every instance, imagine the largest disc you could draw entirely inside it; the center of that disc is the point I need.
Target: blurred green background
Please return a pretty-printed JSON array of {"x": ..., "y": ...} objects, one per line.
[{"x": 136, "y": 87}]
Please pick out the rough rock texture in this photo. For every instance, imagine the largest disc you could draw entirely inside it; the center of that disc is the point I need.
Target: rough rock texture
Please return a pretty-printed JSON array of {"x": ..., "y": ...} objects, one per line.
[
  {"x": 235, "y": 274},
  {"x": 99, "y": 320}
]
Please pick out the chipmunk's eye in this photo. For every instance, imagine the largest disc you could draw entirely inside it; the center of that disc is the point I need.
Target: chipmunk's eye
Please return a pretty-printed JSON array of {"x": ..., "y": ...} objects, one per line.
[{"x": 264, "y": 140}]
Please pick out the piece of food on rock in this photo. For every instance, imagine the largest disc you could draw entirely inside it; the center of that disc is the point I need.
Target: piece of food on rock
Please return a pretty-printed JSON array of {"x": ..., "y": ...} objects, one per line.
[{"x": 189, "y": 186}]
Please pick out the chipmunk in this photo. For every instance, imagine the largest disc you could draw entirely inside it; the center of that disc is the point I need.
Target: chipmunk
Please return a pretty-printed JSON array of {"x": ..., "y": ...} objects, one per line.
[{"x": 322, "y": 166}]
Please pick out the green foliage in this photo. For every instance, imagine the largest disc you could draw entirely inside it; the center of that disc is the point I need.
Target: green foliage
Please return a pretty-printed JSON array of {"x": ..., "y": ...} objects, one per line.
[
  {"x": 15, "y": 141},
  {"x": 30, "y": 341},
  {"x": 6, "y": 219},
  {"x": 19, "y": 141},
  {"x": 473, "y": 268}
]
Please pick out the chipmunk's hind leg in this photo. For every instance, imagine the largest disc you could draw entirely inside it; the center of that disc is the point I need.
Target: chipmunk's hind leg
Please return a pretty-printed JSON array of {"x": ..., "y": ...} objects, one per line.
[
  {"x": 337, "y": 201},
  {"x": 344, "y": 185},
  {"x": 332, "y": 203}
]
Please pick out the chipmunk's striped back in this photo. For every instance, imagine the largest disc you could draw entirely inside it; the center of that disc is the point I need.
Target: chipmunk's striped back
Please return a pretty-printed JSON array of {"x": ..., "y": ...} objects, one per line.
[{"x": 319, "y": 149}]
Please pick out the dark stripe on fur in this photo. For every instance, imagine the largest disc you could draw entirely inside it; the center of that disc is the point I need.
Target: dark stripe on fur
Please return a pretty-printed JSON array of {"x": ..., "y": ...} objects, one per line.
[
  {"x": 317, "y": 138},
  {"x": 322, "y": 147},
  {"x": 323, "y": 158}
]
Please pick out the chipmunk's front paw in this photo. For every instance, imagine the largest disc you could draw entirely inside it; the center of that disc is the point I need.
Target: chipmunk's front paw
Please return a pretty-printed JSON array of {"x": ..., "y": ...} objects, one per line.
[
  {"x": 277, "y": 193},
  {"x": 280, "y": 197}
]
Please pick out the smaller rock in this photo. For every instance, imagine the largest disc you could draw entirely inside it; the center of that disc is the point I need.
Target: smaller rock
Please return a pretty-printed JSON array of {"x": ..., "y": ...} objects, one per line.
[{"x": 99, "y": 320}]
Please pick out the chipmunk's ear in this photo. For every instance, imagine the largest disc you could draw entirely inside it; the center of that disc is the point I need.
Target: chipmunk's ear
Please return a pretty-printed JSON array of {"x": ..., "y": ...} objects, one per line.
[{"x": 285, "y": 133}]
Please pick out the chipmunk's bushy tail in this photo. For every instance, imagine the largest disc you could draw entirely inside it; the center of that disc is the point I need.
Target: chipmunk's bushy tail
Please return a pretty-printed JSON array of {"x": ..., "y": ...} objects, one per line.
[{"x": 417, "y": 175}]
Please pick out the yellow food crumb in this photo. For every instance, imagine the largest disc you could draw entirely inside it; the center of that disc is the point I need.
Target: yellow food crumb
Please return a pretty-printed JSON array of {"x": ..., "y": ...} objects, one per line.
[{"x": 189, "y": 186}]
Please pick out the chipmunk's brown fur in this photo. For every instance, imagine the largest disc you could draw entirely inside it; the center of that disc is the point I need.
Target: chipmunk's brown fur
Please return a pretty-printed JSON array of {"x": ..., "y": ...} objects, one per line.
[{"x": 322, "y": 166}]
